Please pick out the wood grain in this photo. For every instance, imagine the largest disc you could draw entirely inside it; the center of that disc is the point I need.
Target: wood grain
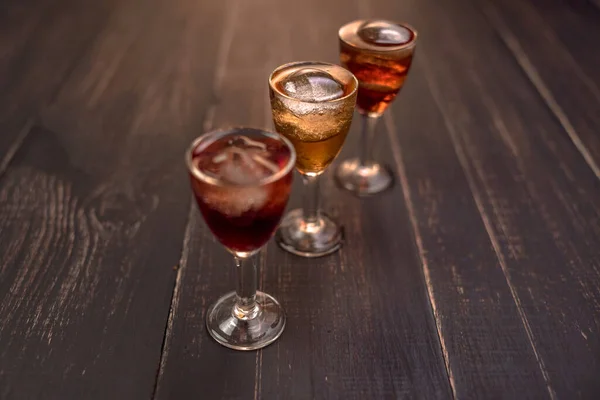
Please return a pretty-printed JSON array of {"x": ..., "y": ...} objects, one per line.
[
  {"x": 486, "y": 347},
  {"x": 570, "y": 90},
  {"x": 476, "y": 276},
  {"x": 575, "y": 25},
  {"x": 94, "y": 209},
  {"x": 40, "y": 42},
  {"x": 344, "y": 338},
  {"x": 205, "y": 269},
  {"x": 537, "y": 200}
]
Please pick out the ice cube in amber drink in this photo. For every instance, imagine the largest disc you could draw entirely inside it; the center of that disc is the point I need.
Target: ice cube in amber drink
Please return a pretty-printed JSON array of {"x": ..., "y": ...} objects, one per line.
[{"x": 312, "y": 106}]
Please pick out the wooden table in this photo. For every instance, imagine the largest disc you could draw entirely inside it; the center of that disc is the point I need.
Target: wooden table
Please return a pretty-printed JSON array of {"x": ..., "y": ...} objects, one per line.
[{"x": 476, "y": 277}]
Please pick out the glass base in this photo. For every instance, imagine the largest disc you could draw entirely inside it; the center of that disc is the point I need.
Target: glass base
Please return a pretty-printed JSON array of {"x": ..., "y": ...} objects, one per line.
[
  {"x": 304, "y": 239},
  {"x": 251, "y": 331},
  {"x": 365, "y": 180}
]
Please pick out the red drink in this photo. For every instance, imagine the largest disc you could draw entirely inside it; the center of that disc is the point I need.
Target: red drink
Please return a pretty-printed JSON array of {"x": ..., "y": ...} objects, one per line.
[
  {"x": 241, "y": 179},
  {"x": 379, "y": 54},
  {"x": 241, "y": 186},
  {"x": 380, "y": 80}
]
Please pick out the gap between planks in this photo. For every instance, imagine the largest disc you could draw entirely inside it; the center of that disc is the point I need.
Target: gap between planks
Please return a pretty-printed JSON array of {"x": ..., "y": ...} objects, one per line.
[
  {"x": 475, "y": 193},
  {"x": 33, "y": 121},
  {"x": 222, "y": 57},
  {"x": 401, "y": 172},
  {"x": 515, "y": 48},
  {"x": 16, "y": 145},
  {"x": 365, "y": 11}
]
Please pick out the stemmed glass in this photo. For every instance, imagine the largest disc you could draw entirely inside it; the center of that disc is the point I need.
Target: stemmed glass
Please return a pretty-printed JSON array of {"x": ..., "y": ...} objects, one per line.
[
  {"x": 241, "y": 179},
  {"x": 379, "y": 53},
  {"x": 312, "y": 104}
]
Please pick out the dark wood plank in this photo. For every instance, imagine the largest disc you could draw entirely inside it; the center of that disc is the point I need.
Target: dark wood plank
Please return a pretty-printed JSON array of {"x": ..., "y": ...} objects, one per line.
[
  {"x": 359, "y": 322},
  {"x": 94, "y": 209},
  {"x": 482, "y": 334},
  {"x": 191, "y": 363},
  {"x": 359, "y": 352},
  {"x": 482, "y": 329},
  {"x": 538, "y": 204},
  {"x": 567, "y": 77},
  {"x": 41, "y": 42},
  {"x": 575, "y": 24}
]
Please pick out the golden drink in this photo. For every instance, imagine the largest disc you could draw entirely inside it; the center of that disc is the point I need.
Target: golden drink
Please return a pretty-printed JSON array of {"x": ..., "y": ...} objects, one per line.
[{"x": 312, "y": 106}]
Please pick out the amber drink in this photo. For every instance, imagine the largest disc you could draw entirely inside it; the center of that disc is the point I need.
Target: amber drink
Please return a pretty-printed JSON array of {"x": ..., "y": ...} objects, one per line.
[
  {"x": 379, "y": 53},
  {"x": 312, "y": 105}
]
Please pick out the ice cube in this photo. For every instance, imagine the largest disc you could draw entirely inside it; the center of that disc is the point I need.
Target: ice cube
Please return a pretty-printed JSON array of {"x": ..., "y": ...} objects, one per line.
[
  {"x": 244, "y": 161},
  {"x": 384, "y": 33},
  {"x": 312, "y": 85},
  {"x": 235, "y": 202}
]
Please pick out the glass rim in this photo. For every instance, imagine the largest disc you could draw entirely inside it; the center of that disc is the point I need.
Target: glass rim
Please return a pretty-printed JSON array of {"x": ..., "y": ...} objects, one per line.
[
  {"x": 404, "y": 46},
  {"x": 219, "y": 133},
  {"x": 295, "y": 63}
]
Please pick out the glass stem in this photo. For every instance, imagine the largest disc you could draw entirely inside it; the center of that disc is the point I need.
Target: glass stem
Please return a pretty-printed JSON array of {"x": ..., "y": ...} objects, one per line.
[
  {"x": 247, "y": 279},
  {"x": 367, "y": 138},
  {"x": 311, "y": 198}
]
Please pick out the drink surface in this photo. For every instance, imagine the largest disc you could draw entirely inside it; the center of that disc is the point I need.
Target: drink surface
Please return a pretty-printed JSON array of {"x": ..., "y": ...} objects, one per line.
[
  {"x": 312, "y": 106},
  {"x": 235, "y": 184},
  {"x": 379, "y": 53}
]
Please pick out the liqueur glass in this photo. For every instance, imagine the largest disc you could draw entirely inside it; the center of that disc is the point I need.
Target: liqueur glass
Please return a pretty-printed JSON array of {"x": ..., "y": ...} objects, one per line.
[
  {"x": 312, "y": 105},
  {"x": 241, "y": 179},
  {"x": 379, "y": 53}
]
